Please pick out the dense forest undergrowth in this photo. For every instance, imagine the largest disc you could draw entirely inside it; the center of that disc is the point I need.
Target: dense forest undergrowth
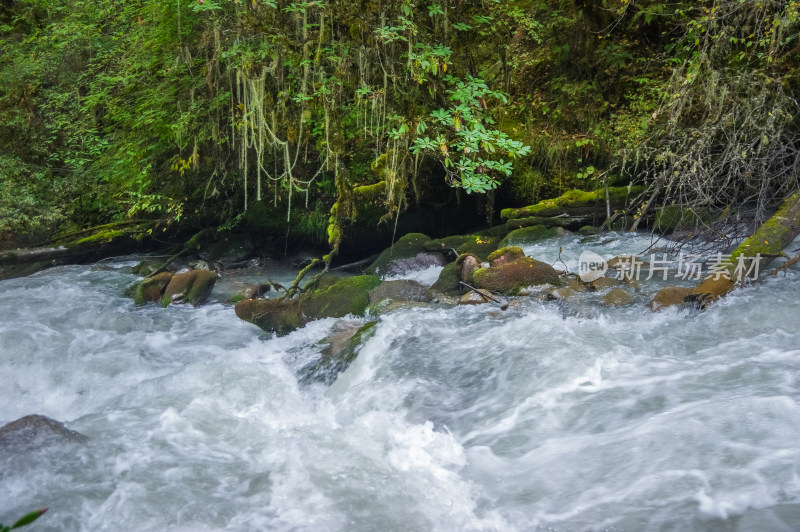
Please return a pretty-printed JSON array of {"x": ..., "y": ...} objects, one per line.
[{"x": 331, "y": 122}]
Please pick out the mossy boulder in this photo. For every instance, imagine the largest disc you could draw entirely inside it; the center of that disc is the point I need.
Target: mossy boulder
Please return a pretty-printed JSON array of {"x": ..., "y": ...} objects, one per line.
[
  {"x": 407, "y": 254},
  {"x": 151, "y": 289},
  {"x": 147, "y": 267},
  {"x": 336, "y": 297},
  {"x": 479, "y": 245},
  {"x": 333, "y": 297},
  {"x": 192, "y": 287},
  {"x": 505, "y": 255},
  {"x": 497, "y": 231},
  {"x": 447, "y": 245},
  {"x": 588, "y": 230},
  {"x": 448, "y": 280},
  {"x": 272, "y": 315},
  {"x": 531, "y": 235},
  {"x": 513, "y": 276}
]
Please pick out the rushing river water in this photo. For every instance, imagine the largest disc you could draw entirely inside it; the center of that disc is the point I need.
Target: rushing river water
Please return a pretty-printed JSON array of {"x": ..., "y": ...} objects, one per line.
[{"x": 548, "y": 416}]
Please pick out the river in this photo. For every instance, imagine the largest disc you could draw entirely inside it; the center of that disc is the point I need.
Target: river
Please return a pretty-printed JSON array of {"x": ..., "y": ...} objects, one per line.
[{"x": 548, "y": 416}]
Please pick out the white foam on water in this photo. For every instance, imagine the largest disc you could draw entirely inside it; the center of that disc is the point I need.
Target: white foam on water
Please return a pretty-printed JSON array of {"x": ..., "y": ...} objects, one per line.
[{"x": 549, "y": 415}]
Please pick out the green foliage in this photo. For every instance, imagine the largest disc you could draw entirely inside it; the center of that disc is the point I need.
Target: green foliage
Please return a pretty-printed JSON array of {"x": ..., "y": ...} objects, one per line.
[
  {"x": 24, "y": 520},
  {"x": 196, "y": 111}
]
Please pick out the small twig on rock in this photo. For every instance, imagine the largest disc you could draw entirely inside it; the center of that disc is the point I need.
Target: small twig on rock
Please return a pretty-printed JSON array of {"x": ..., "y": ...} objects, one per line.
[{"x": 503, "y": 306}]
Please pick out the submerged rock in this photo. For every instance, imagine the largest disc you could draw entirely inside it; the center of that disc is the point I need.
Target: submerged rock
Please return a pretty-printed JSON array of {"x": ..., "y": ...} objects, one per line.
[
  {"x": 147, "y": 267},
  {"x": 618, "y": 297},
  {"x": 335, "y": 359},
  {"x": 333, "y": 297},
  {"x": 34, "y": 432},
  {"x": 401, "y": 290},
  {"x": 561, "y": 294},
  {"x": 669, "y": 296},
  {"x": 475, "y": 297}
]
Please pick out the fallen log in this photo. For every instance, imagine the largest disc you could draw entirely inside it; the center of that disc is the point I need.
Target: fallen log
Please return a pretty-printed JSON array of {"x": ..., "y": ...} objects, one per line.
[
  {"x": 752, "y": 255},
  {"x": 82, "y": 247}
]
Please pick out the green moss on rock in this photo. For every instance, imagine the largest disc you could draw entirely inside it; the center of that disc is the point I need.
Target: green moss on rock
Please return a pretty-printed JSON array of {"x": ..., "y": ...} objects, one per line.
[
  {"x": 448, "y": 242},
  {"x": 192, "y": 287},
  {"x": 337, "y": 297},
  {"x": 511, "y": 277},
  {"x": 448, "y": 281},
  {"x": 505, "y": 254},
  {"x": 530, "y": 235},
  {"x": 408, "y": 246},
  {"x": 272, "y": 315},
  {"x": 151, "y": 289},
  {"x": 478, "y": 245}
]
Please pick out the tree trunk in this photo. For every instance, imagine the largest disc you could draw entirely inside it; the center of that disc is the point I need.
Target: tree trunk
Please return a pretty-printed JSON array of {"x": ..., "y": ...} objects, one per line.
[{"x": 767, "y": 243}]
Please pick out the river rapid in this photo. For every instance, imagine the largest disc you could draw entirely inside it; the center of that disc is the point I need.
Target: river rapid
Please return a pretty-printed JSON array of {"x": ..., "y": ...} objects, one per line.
[{"x": 548, "y": 416}]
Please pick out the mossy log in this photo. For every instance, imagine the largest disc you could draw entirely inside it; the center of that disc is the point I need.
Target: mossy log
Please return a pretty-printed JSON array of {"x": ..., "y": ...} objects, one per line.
[
  {"x": 77, "y": 248},
  {"x": 578, "y": 204},
  {"x": 768, "y": 242}
]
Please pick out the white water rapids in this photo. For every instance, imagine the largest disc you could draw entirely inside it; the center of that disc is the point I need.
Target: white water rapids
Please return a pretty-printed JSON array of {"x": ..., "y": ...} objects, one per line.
[{"x": 549, "y": 416}]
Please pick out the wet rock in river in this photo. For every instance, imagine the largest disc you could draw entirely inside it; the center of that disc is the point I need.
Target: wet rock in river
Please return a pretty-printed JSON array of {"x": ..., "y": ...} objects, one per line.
[
  {"x": 511, "y": 277},
  {"x": 406, "y": 255},
  {"x": 400, "y": 290},
  {"x": 34, "y": 432},
  {"x": 669, "y": 296},
  {"x": 193, "y": 286},
  {"x": 335, "y": 359},
  {"x": 152, "y": 289},
  {"x": 618, "y": 297},
  {"x": 333, "y": 297},
  {"x": 475, "y": 297},
  {"x": 448, "y": 281}
]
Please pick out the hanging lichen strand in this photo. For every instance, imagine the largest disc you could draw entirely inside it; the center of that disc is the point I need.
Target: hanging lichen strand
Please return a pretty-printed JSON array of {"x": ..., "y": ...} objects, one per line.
[{"x": 259, "y": 137}]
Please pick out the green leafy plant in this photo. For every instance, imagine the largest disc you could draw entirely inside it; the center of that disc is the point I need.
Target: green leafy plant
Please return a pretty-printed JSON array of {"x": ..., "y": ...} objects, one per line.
[
  {"x": 24, "y": 520},
  {"x": 471, "y": 151}
]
